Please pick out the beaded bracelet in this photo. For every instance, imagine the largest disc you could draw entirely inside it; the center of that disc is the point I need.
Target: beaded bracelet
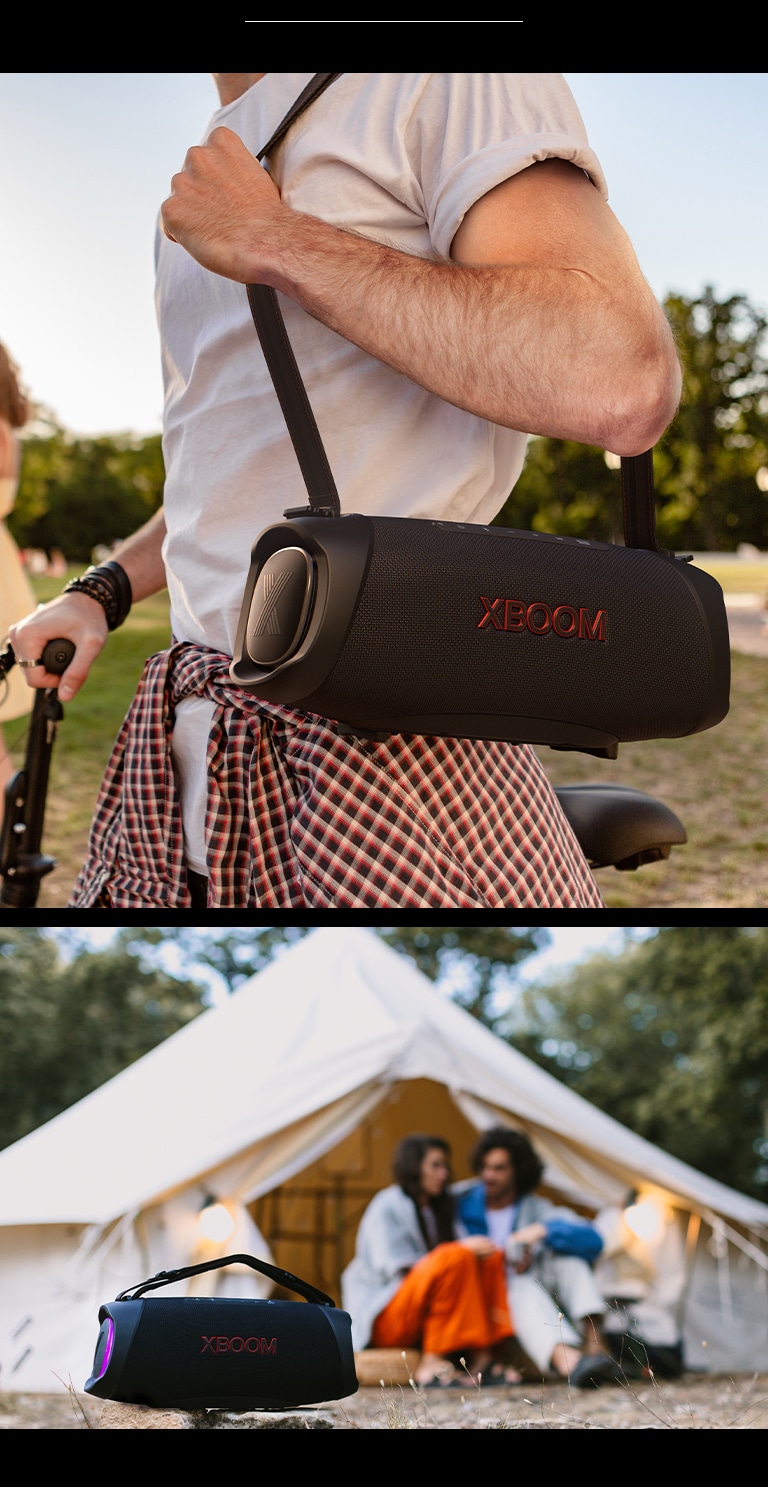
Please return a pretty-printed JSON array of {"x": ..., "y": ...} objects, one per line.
[{"x": 110, "y": 586}]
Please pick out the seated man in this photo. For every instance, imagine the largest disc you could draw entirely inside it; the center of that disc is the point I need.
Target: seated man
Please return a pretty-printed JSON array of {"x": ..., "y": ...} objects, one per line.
[{"x": 552, "y": 1290}]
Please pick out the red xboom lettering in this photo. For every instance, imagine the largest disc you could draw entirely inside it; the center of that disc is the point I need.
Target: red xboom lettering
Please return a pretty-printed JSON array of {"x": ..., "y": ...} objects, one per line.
[
  {"x": 238, "y": 1345},
  {"x": 541, "y": 619}
]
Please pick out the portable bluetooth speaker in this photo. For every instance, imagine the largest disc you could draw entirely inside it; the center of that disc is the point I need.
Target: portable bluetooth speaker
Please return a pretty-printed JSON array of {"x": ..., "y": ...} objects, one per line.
[
  {"x": 203, "y": 1352},
  {"x": 432, "y": 627}
]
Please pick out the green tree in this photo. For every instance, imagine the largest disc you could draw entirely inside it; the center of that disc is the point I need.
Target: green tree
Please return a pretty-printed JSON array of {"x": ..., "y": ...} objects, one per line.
[
  {"x": 76, "y": 494},
  {"x": 710, "y": 456},
  {"x": 670, "y": 1038},
  {"x": 66, "y": 1026}
]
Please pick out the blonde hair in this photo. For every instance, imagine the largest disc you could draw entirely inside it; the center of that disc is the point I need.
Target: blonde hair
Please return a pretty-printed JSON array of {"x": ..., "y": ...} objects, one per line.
[{"x": 15, "y": 407}]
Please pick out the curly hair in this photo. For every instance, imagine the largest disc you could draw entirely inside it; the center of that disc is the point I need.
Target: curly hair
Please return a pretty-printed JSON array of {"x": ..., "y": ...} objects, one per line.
[
  {"x": 14, "y": 405},
  {"x": 528, "y": 1167},
  {"x": 406, "y": 1170}
]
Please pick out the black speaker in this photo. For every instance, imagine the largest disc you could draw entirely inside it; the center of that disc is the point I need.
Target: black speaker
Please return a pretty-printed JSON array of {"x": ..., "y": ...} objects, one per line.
[
  {"x": 221, "y": 1352},
  {"x": 409, "y": 626}
]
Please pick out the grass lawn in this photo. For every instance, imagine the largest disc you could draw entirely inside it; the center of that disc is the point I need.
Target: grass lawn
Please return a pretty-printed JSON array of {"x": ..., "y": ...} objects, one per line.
[
  {"x": 714, "y": 780},
  {"x": 715, "y": 783},
  {"x": 737, "y": 577}
]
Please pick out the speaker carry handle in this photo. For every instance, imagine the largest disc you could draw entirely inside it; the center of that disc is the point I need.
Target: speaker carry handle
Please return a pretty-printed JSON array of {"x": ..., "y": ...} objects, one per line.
[{"x": 281, "y": 1277}]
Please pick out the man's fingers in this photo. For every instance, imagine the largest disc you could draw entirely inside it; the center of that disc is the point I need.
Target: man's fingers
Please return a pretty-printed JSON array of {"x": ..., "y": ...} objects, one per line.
[
  {"x": 70, "y": 682},
  {"x": 67, "y": 682},
  {"x": 76, "y": 673},
  {"x": 216, "y": 201}
]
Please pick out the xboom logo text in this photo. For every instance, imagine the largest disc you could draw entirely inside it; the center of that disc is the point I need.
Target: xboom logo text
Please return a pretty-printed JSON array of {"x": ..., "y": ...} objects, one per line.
[
  {"x": 239, "y": 1345},
  {"x": 542, "y": 619}
]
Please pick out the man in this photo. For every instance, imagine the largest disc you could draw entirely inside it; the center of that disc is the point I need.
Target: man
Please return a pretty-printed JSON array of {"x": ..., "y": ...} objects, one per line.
[
  {"x": 451, "y": 279},
  {"x": 554, "y": 1300}
]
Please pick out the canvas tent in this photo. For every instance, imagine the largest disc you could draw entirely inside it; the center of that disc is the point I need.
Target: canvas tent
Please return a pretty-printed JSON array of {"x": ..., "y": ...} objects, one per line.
[{"x": 285, "y": 1104}]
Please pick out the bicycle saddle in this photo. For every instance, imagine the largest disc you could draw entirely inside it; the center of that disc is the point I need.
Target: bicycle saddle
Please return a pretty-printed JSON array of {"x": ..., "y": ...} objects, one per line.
[{"x": 618, "y": 826}]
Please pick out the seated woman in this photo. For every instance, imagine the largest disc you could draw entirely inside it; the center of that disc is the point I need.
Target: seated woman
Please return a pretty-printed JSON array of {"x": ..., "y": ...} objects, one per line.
[{"x": 413, "y": 1284}]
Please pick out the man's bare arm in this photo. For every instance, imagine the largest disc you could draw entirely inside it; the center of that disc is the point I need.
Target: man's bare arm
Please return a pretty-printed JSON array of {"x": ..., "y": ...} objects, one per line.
[
  {"x": 543, "y": 321},
  {"x": 82, "y": 620}
]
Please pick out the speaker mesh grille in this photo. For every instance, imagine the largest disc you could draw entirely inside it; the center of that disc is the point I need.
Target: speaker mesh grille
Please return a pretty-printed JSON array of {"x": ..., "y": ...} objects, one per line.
[
  {"x": 202, "y": 1351},
  {"x": 415, "y": 648}
]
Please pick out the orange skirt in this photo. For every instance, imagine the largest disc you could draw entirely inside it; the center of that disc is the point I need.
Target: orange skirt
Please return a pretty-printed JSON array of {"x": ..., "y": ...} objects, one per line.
[{"x": 452, "y": 1299}]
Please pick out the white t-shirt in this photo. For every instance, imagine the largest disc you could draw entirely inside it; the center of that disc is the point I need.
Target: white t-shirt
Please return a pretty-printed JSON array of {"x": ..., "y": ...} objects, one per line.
[
  {"x": 500, "y": 1223},
  {"x": 398, "y": 158}
]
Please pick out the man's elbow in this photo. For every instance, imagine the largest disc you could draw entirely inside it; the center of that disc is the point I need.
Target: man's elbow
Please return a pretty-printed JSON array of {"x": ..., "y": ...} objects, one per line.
[{"x": 642, "y": 407}]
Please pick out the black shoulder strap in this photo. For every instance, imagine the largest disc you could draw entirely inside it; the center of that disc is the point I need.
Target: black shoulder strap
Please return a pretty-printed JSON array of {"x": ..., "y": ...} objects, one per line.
[
  {"x": 639, "y": 503},
  {"x": 278, "y": 352},
  {"x": 282, "y": 1277},
  {"x": 314, "y": 88}
]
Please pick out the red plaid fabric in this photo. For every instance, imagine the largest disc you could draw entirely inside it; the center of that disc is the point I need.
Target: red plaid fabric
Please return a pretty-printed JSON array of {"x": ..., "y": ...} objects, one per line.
[{"x": 299, "y": 815}]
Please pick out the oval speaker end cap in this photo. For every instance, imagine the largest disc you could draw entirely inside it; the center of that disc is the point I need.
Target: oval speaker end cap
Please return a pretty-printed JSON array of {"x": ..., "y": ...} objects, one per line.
[{"x": 280, "y": 606}]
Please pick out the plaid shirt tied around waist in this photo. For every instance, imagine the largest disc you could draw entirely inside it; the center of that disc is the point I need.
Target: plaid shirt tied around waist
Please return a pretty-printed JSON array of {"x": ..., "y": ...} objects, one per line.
[{"x": 299, "y": 815}]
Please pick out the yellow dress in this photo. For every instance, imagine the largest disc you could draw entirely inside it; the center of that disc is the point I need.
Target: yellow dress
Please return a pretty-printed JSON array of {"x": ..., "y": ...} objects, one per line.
[{"x": 16, "y": 600}]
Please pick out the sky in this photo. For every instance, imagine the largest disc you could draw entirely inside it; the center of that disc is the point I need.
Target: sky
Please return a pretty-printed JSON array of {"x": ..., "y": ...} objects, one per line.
[{"x": 86, "y": 160}]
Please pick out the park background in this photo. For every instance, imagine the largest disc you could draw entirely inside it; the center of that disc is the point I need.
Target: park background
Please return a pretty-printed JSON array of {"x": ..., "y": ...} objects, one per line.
[{"x": 76, "y": 312}]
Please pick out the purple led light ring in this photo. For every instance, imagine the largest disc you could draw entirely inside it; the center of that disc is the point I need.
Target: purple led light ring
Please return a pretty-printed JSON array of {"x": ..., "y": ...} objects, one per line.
[{"x": 108, "y": 1348}]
